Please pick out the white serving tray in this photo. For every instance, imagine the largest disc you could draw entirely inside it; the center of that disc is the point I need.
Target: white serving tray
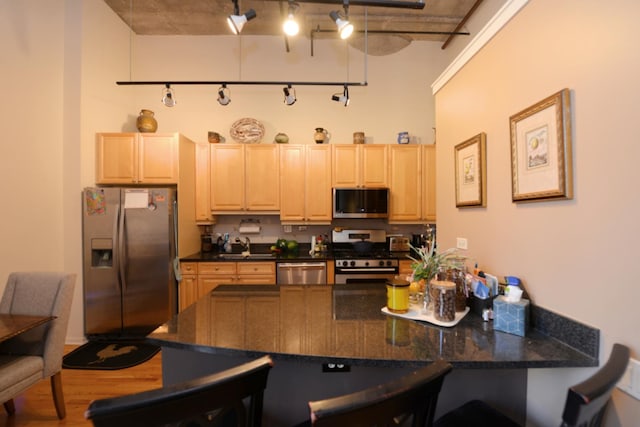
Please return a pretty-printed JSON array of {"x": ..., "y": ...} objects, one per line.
[{"x": 415, "y": 313}]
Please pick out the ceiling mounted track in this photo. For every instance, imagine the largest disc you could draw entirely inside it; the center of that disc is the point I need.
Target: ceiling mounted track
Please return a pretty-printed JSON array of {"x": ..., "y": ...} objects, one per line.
[{"x": 236, "y": 83}]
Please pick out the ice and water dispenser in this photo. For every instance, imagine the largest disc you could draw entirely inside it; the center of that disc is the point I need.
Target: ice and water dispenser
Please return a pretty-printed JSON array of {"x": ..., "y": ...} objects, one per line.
[{"x": 102, "y": 253}]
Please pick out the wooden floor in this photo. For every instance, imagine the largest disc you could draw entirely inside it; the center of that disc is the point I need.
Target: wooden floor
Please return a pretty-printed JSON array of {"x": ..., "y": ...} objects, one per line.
[{"x": 35, "y": 407}]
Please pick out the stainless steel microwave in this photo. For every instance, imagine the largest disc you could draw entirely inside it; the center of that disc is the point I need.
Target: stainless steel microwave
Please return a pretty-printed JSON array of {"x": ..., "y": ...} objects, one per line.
[{"x": 360, "y": 202}]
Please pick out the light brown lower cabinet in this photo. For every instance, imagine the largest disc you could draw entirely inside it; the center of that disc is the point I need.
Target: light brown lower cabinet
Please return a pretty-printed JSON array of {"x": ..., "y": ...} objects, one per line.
[{"x": 200, "y": 278}]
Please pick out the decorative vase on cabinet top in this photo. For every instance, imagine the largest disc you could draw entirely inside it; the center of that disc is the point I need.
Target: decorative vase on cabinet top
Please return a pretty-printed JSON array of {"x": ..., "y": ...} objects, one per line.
[
  {"x": 146, "y": 122},
  {"x": 321, "y": 135}
]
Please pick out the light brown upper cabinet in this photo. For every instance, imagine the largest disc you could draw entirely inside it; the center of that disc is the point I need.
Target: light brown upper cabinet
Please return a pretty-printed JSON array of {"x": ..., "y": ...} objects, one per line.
[
  {"x": 405, "y": 183},
  {"x": 305, "y": 183},
  {"x": 359, "y": 165},
  {"x": 153, "y": 159},
  {"x": 429, "y": 183},
  {"x": 244, "y": 178},
  {"x": 137, "y": 158},
  {"x": 202, "y": 190}
]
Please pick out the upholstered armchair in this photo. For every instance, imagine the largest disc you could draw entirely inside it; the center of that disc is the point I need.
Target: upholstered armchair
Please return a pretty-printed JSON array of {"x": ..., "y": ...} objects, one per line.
[{"x": 36, "y": 354}]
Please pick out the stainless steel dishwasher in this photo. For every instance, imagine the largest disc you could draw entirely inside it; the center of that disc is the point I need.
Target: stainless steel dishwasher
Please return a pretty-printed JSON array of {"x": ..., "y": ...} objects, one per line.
[{"x": 301, "y": 273}]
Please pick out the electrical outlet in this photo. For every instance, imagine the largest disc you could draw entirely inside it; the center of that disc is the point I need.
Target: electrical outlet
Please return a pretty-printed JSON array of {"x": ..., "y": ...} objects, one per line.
[
  {"x": 630, "y": 381},
  {"x": 287, "y": 229},
  {"x": 461, "y": 243},
  {"x": 302, "y": 227}
]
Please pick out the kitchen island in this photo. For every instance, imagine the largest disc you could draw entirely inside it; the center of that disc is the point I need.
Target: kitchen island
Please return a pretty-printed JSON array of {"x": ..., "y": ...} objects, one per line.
[{"x": 330, "y": 340}]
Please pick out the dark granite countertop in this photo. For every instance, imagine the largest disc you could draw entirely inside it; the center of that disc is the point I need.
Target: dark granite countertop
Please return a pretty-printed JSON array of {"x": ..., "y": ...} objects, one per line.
[{"x": 344, "y": 324}]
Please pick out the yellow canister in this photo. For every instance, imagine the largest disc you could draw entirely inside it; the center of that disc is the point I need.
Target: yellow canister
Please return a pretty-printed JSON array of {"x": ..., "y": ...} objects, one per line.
[{"x": 398, "y": 295}]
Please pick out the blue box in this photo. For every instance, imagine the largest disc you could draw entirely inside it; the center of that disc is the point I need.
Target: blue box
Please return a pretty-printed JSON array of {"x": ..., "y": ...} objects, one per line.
[{"x": 511, "y": 317}]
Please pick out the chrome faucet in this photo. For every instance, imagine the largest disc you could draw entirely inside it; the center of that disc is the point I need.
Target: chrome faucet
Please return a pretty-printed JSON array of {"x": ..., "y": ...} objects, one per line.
[{"x": 246, "y": 245}]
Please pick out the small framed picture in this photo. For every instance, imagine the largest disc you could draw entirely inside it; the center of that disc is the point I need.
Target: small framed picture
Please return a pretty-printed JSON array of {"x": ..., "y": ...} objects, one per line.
[
  {"x": 471, "y": 170},
  {"x": 541, "y": 150}
]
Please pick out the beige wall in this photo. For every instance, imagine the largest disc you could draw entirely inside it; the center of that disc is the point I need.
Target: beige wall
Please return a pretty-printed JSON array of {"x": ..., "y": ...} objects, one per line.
[
  {"x": 398, "y": 96},
  {"x": 60, "y": 62},
  {"x": 575, "y": 257}
]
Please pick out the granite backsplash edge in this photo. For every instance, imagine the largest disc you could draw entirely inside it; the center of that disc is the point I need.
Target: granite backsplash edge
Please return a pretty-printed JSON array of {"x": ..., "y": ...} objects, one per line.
[{"x": 577, "y": 335}]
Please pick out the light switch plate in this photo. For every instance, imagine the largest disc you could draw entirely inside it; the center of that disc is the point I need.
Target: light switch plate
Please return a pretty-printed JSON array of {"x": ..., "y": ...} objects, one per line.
[
  {"x": 461, "y": 243},
  {"x": 630, "y": 381}
]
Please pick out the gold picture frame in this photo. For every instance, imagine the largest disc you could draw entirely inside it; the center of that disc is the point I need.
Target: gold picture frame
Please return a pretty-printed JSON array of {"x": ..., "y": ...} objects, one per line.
[
  {"x": 541, "y": 165},
  {"x": 471, "y": 172}
]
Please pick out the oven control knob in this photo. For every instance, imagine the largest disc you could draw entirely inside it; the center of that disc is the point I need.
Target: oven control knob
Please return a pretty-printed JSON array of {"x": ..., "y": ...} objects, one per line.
[
  {"x": 389, "y": 263},
  {"x": 352, "y": 263},
  {"x": 381, "y": 263},
  {"x": 345, "y": 263},
  {"x": 366, "y": 263}
]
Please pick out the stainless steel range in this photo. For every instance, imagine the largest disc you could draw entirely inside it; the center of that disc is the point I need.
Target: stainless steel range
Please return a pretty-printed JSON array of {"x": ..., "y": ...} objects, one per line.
[{"x": 362, "y": 256}]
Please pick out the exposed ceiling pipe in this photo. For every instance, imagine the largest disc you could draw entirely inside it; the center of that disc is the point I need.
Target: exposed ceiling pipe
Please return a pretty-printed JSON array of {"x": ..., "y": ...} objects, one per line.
[
  {"x": 398, "y": 4},
  {"x": 461, "y": 23}
]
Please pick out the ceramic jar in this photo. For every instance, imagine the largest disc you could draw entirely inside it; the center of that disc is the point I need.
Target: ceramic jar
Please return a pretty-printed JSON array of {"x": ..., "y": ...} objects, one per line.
[
  {"x": 358, "y": 137},
  {"x": 281, "y": 138},
  {"x": 320, "y": 135},
  {"x": 403, "y": 137},
  {"x": 146, "y": 122}
]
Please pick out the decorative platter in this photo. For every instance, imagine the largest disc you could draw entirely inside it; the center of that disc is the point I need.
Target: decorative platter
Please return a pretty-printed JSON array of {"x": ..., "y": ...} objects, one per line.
[
  {"x": 415, "y": 313},
  {"x": 247, "y": 130}
]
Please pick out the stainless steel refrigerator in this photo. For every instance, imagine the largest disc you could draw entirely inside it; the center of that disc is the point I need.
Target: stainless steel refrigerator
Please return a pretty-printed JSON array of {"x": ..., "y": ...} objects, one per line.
[{"x": 128, "y": 248}]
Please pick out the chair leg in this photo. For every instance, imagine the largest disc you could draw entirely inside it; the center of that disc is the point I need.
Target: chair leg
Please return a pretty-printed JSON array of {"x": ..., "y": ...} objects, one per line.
[
  {"x": 10, "y": 407},
  {"x": 58, "y": 396}
]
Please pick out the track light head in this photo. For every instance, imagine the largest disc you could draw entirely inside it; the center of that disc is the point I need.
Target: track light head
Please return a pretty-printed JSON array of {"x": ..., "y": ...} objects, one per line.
[
  {"x": 168, "y": 98},
  {"x": 236, "y": 21},
  {"x": 223, "y": 95},
  {"x": 289, "y": 95},
  {"x": 345, "y": 28},
  {"x": 290, "y": 26},
  {"x": 343, "y": 98}
]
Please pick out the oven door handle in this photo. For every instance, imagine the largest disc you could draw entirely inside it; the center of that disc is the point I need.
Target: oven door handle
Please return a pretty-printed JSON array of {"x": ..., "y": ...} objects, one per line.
[{"x": 368, "y": 270}]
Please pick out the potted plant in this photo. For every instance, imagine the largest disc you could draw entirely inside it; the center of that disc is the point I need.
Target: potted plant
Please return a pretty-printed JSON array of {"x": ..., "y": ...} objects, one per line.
[{"x": 427, "y": 264}]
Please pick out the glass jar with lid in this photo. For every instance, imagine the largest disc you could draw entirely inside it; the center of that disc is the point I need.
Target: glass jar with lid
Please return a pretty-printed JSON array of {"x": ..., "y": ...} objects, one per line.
[{"x": 444, "y": 306}]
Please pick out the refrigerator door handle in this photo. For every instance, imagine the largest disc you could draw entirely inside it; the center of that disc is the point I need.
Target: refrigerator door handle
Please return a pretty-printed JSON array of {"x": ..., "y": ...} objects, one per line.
[{"x": 121, "y": 248}]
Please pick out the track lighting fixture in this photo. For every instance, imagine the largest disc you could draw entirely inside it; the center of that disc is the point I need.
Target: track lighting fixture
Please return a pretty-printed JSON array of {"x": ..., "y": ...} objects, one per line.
[
  {"x": 290, "y": 26},
  {"x": 237, "y": 21},
  {"x": 344, "y": 98},
  {"x": 345, "y": 28},
  {"x": 289, "y": 95},
  {"x": 223, "y": 95},
  {"x": 168, "y": 98}
]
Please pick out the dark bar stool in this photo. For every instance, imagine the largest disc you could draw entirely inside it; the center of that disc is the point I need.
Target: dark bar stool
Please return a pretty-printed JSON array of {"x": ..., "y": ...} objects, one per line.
[
  {"x": 414, "y": 395},
  {"x": 196, "y": 402},
  {"x": 585, "y": 405}
]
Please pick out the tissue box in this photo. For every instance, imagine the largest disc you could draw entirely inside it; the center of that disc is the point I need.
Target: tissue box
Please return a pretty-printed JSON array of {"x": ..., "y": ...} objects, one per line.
[{"x": 511, "y": 317}]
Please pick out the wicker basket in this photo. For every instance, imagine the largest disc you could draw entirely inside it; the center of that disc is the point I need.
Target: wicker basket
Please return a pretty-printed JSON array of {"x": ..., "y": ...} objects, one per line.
[{"x": 247, "y": 130}]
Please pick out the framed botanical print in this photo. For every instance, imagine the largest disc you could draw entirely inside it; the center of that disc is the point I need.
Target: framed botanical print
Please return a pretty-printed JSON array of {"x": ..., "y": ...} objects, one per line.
[
  {"x": 471, "y": 171},
  {"x": 541, "y": 150}
]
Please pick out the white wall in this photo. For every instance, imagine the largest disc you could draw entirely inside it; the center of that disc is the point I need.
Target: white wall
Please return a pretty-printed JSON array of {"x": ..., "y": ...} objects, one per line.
[{"x": 576, "y": 257}]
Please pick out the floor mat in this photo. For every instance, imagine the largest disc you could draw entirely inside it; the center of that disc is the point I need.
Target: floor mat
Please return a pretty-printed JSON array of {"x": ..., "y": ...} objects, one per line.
[{"x": 109, "y": 355}]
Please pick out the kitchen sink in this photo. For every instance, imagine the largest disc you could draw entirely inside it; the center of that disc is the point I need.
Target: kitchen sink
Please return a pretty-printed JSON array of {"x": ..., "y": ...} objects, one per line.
[{"x": 241, "y": 256}]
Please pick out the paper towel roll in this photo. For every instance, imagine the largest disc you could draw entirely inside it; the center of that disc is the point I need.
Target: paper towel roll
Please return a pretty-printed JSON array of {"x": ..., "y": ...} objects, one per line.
[{"x": 249, "y": 229}]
